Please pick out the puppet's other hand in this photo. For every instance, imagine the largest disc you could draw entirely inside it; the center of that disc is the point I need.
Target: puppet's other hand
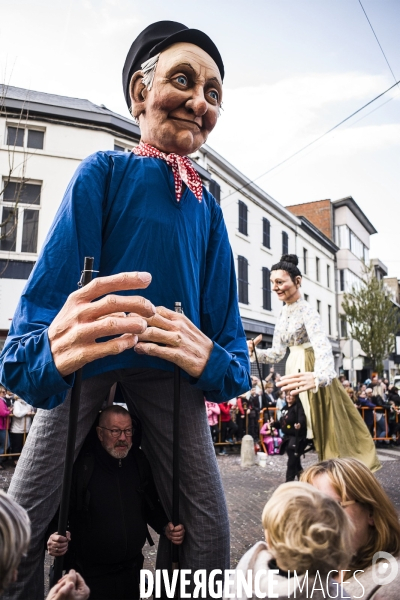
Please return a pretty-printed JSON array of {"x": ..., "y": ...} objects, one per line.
[
  {"x": 83, "y": 319},
  {"x": 296, "y": 383},
  {"x": 251, "y": 344},
  {"x": 183, "y": 343}
]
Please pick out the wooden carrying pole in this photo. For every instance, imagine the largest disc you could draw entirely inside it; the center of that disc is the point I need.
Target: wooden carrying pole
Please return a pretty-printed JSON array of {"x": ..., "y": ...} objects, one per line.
[
  {"x": 175, "y": 453},
  {"x": 86, "y": 278}
]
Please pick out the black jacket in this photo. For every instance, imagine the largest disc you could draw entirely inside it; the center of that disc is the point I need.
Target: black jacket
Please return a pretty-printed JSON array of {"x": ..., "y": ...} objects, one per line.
[
  {"x": 112, "y": 500},
  {"x": 291, "y": 415}
]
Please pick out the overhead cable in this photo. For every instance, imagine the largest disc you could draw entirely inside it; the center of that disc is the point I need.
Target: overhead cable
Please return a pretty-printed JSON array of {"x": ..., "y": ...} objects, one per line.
[
  {"x": 313, "y": 142},
  {"x": 379, "y": 44}
]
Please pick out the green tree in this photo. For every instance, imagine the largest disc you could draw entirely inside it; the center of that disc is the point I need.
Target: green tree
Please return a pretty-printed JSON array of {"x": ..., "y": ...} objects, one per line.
[{"x": 372, "y": 317}]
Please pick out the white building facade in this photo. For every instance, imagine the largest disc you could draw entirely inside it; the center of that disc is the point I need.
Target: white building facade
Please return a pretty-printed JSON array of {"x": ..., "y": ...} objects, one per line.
[{"x": 45, "y": 137}]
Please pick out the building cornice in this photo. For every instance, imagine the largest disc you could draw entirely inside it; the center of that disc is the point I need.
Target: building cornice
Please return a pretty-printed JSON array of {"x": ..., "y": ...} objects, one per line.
[{"x": 357, "y": 212}]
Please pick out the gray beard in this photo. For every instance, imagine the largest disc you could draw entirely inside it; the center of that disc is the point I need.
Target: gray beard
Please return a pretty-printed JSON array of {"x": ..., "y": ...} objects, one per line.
[{"x": 119, "y": 452}]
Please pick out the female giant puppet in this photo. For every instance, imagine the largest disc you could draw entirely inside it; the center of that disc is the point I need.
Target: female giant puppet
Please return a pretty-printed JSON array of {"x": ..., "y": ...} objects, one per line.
[
  {"x": 149, "y": 223},
  {"x": 333, "y": 422}
]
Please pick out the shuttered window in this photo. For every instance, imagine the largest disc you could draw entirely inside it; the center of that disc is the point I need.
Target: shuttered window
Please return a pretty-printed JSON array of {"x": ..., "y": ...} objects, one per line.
[
  {"x": 285, "y": 243},
  {"x": 266, "y": 282},
  {"x": 242, "y": 217},
  {"x": 243, "y": 279},
  {"x": 266, "y": 233}
]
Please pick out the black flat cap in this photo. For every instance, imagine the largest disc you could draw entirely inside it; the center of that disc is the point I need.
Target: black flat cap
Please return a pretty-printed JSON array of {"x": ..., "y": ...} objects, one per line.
[{"x": 157, "y": 37}]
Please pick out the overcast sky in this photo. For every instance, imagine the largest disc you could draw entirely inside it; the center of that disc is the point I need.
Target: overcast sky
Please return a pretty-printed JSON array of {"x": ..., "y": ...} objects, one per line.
[{"x": 294, "y": 69}]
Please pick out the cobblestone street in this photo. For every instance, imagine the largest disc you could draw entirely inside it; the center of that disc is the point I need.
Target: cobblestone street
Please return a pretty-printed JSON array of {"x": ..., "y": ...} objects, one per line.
[{"x": 247, "y": 491}]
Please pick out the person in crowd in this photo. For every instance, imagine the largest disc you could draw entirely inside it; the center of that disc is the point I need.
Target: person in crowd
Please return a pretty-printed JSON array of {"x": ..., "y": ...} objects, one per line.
[
  {"x": 15, "y": 533},
  {"x": 352, "y": 395},
  {"x": 365, "y": 402},
  {"x": 256, "y": 383},
  {"x": 7, "y": 397},
  {"x": 381, "y": 416},
  {"x": 305, "y": 531},
  {"x": 269, "y": 399},
  {"x": 242, "y": 418},
  {"x": 253, "y": 412},
  {"x": 113, "y": 498},
  {"x": 378, "y": 388},
  {"x": 375, "y": 521},
  {"x": 293, "y": 425},
  {"x": 20, "y": 425},
  {"x": 213, "y": 412},
  {"x": 148, "y": 222},
  {"x": 393, "y": 395},
  {"x": 269, "y": 433},
  {"x": 228, "y": 426},
  {"x": 346, "y": 384},
  {"x": 280, "y": 404},
  {"x": 333, "y": 421},
  {"x": 273, "y": 378},
  {"x": 5, "y": 411}
]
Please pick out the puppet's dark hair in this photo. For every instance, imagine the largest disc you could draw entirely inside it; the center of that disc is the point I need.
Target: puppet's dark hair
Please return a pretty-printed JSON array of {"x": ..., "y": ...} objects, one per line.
[{"x": 289, "y": 264}]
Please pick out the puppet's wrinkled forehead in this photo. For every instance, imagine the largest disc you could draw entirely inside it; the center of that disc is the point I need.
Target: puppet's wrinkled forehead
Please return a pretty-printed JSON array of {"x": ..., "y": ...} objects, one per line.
[{"x": 155, "y": 38}]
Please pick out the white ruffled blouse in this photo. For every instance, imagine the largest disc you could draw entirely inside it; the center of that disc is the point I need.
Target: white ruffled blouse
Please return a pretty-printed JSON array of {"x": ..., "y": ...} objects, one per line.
[{"x": 298, "y": 324}]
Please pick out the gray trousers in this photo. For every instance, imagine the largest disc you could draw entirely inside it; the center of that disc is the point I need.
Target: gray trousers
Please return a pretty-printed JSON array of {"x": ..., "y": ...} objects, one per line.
[{"x": 36, "y": 484}]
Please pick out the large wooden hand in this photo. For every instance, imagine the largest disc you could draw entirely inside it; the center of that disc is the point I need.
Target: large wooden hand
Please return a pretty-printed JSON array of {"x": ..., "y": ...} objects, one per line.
[
  {"x": 296, "y": 383},
  {"x": 251, "y": 345},
  {"x": 81, "y": 321},
  {"x": 184, "y": 344}
]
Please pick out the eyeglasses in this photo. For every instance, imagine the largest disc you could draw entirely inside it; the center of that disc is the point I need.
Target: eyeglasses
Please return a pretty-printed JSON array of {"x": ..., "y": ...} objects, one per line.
[{"x": 116, "y": 433}]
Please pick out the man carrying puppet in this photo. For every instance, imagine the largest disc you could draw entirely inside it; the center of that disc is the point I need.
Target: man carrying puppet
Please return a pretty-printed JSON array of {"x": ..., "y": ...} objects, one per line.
[{"x": 150, "y": 225}]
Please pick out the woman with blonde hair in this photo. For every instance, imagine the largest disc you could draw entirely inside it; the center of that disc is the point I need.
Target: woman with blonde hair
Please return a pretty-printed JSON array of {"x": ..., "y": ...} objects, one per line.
[
  {"x": 307, "y": 543},
  {"x": 15, "y": 534},
  {"x": 375, "y": 520}
]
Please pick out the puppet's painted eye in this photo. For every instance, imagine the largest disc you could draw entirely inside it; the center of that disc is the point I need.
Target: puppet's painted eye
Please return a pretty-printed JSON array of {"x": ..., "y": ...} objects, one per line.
[
  {"x": 214, "y": 95},
  {"x": 182, "y": 80}
]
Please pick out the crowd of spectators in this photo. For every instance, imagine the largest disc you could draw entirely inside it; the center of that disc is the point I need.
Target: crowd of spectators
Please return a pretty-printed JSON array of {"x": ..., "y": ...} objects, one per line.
[
  {"x": 259, "y": 414},
  {"x": 15, "y": 421},
  {"x": 379, "y": 403}
]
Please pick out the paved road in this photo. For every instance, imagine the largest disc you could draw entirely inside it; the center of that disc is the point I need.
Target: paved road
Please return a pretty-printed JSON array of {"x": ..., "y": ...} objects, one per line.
[{"x": 247, "y": 491}]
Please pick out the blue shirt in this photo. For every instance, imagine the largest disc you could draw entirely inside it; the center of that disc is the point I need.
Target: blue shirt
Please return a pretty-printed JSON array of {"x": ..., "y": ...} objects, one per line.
[{"x": 121, "y": 209}]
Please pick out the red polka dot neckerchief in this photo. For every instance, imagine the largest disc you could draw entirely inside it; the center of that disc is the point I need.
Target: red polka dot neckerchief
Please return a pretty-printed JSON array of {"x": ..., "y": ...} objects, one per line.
[{"x": 182, "y": 169}]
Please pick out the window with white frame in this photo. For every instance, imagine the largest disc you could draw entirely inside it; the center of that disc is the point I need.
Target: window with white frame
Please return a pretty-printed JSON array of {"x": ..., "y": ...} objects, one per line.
[
  {"x": 347, "y": 239},
  {"x": 348, "y": 280},
  {"x": 19, "y": 216},
  {"x": 20, "y": 136}
]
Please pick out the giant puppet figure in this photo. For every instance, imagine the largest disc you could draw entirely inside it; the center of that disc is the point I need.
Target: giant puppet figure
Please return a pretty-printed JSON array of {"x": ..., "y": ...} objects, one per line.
[
  {"x": 333, "y": 421},
  {"x": 150, "y": 225}
]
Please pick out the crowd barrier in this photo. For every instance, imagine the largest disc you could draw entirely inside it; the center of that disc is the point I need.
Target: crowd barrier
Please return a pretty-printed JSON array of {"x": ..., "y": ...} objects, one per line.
[
  {"x": 7, "y": 436},
  {"x": 272, "y": 410},
  {"x": 365, "y": 410}
]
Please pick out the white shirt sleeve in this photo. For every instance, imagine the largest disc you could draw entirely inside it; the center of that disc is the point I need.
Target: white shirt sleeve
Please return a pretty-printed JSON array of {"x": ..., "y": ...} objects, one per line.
[
  {"x": 278, "y": 350},
  {"x": 324, "y": 366}
]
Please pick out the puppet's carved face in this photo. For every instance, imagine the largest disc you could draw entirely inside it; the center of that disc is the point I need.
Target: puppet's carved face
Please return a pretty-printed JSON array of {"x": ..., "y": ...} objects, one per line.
[{"x": 182, "y": 107}]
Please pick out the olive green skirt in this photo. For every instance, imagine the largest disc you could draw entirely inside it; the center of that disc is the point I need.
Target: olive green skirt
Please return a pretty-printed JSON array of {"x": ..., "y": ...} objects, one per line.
[{"x": 338, "y": 428}]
